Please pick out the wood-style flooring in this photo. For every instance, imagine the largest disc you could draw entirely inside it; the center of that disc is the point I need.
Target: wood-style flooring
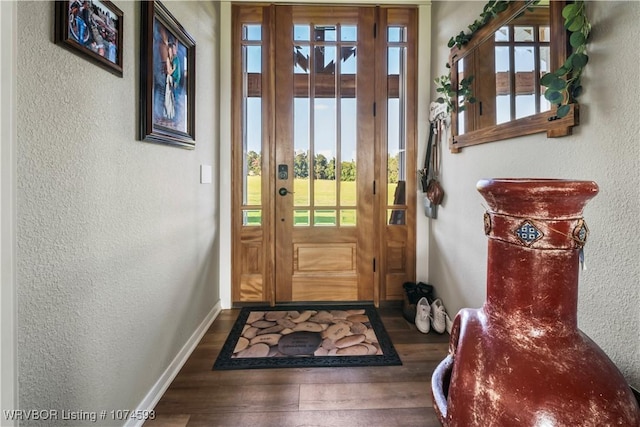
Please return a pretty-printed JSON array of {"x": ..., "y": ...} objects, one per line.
[{"x": 363, "y": 396}]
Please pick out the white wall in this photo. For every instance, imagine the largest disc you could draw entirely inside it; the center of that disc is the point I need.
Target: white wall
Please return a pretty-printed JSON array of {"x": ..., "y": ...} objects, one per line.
[
  {"x": 604, "y": 148},
  {"x": 116, "y": 238}
]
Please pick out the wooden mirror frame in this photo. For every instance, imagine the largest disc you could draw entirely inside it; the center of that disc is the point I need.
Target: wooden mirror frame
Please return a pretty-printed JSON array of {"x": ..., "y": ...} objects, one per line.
[{"x": 546, "y": 121}]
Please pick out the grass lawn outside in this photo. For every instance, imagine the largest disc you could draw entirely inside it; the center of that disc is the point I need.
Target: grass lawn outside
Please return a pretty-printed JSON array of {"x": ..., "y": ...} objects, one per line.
[{"x": 325, "y": 195}]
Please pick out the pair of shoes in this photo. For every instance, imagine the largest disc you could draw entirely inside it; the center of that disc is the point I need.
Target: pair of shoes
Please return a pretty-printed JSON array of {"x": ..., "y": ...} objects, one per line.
[
  {"x": 423, "y": 318},
  {"x": 439, "y": 316}
]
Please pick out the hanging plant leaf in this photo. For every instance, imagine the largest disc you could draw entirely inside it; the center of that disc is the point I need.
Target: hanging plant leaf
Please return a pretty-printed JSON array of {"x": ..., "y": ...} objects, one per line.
[
  {"x": 553, "y": 96},
  {"x": 562, "y": 71},
  {"x": 563, "y": 110},
  {"x": 488, "y": 6},
  {"x": 570, "y": 10},
  {"x": 557, "y": 84},
  {"x": 547, "y": 79},
  {"x": 575, "y": 23},
  {"x": 501, "y": 7},
  {"x": 577, "y": 39},
  {"x": 579, "y": 60},
  {"x": 576, "y": 92}
]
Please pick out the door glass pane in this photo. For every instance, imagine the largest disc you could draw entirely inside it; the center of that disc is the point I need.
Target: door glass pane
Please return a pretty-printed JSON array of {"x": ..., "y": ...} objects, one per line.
[
  {"x": 301, "y": 164},
  {"x": 396, "y": 153},
  {"x": 523, "y": 34},
  {"x": 252, "y": 217},
  {"x": 503, "y": 85},
  {"x": 252, "y": 32},
  {"x": 253, "y": 59},
  {"x": 544, "y": 33},
  {"x": 324, "y": 33},
  {"x": 396, "y": 216},
  {"x": 348, "y": 33},
  {"x": 502, "y": 35},
  {"x": 396, "y": 34},
  {"x": 525, "y": 82},
  {"x": 301, "y": 57},
  {"x": 301, "y": 125},
  {"x": 525, "y": 105},
  {"x": 325, "y": 125},
  {"x": 323, "y": 217},
  {"x": 396, "y": 142},
  {"x": 461, "y": 114},
  {"x": 253, "y": 152},
  {"x": 325, "y": 128},
  {"x": 545, "y": 67},
  {"x": 301, "y": 32},
  {"x": 324, "y": 164},
  {"x": 348, "y": 168},
  {"x": 348, "y": 111},
  {"x": 252, "y": 124},
  {"x": 301, "y": 217},
  {"x": 347, "y": 217}
]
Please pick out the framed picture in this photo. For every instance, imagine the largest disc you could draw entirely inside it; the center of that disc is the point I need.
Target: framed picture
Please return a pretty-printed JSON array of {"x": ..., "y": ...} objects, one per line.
[
  {"x": 167, "y": 79},
  {"x": 92, "y": 29}
]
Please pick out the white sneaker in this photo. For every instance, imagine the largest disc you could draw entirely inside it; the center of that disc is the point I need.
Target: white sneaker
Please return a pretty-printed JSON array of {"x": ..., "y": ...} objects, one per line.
[
  {"x": 422, "y": 315},
  {"x": 438, "y": 316}
]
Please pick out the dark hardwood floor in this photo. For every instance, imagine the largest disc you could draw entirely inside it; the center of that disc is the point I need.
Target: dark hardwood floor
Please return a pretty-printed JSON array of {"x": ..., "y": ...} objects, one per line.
[{"x": 363, "y": 396}]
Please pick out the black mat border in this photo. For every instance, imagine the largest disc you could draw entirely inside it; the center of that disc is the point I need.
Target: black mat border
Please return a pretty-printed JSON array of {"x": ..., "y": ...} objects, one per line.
[{"x": 389, "y": 357}]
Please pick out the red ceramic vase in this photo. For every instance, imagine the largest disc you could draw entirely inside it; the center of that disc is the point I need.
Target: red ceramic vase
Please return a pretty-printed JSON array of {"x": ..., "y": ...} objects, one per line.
[{"x": 520, "y": 360}]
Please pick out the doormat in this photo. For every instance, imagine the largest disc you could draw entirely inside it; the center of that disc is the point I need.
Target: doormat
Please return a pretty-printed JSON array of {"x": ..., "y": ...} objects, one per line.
[{"x": 307, "y": 336}]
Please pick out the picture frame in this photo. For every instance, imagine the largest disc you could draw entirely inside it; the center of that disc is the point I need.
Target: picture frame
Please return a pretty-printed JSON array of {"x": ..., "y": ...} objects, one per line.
[
  {"x": 91, "y": 29},
  {"x": 167, "y": 78}
]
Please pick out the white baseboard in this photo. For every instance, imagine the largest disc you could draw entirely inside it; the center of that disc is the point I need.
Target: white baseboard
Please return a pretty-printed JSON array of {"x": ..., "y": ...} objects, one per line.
[{"x": 158, "y": 389}]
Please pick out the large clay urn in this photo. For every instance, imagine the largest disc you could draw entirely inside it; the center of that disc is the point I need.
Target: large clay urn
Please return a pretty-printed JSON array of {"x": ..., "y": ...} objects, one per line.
[{"x": 520, "y": 360}]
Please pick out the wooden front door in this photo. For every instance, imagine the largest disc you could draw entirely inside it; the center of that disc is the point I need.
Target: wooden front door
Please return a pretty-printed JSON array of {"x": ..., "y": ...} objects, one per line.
[{"x": 324, "y": 153}]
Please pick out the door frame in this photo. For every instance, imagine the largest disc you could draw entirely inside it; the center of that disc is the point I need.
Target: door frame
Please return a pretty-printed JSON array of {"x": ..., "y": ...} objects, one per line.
[
  {"x": 8, "y": 303},
  {"x": 423, "y": 93}
]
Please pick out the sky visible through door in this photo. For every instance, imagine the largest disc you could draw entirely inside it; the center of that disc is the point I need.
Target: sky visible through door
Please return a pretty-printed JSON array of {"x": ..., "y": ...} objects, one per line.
[{"x": 324, "y": 108}]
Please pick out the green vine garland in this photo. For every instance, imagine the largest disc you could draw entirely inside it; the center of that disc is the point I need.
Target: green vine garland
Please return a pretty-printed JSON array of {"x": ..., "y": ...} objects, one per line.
[
  {"x": 443, "y": 83},
  {"x": 448, "y": 93},
  {"x": 563, "y": 85},
  {"x": 490, "y": 11}
]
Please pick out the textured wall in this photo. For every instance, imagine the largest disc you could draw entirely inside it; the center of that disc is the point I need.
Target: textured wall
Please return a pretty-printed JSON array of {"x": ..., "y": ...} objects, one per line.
[
  {"x": 116, "y": 237},
  {"x": 604, "y": 148}
]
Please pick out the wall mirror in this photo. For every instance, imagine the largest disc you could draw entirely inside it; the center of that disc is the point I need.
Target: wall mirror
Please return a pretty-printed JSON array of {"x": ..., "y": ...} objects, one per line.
[{"x": 507, "y": 57}]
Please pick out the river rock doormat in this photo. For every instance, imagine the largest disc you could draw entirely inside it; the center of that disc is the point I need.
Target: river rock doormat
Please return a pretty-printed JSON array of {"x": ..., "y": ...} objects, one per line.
[{"x": 307, "y": 336}]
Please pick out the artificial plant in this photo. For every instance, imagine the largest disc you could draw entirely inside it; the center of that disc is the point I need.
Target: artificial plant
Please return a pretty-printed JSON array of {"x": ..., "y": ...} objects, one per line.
[
  {"x": 563, "y": 85},
  {"x": 443, "y": 83}
]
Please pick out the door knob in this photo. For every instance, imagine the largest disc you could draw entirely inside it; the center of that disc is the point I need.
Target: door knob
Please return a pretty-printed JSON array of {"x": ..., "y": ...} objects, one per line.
[{"x": 283, "y": 191}]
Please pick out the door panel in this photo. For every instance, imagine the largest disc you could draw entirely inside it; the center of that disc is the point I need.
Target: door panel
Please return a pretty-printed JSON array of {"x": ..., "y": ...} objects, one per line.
[
  {"x": 252, "y": 251},
  {"x": 324, "y": 134},
  {"x": 395, "y": 86}
]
